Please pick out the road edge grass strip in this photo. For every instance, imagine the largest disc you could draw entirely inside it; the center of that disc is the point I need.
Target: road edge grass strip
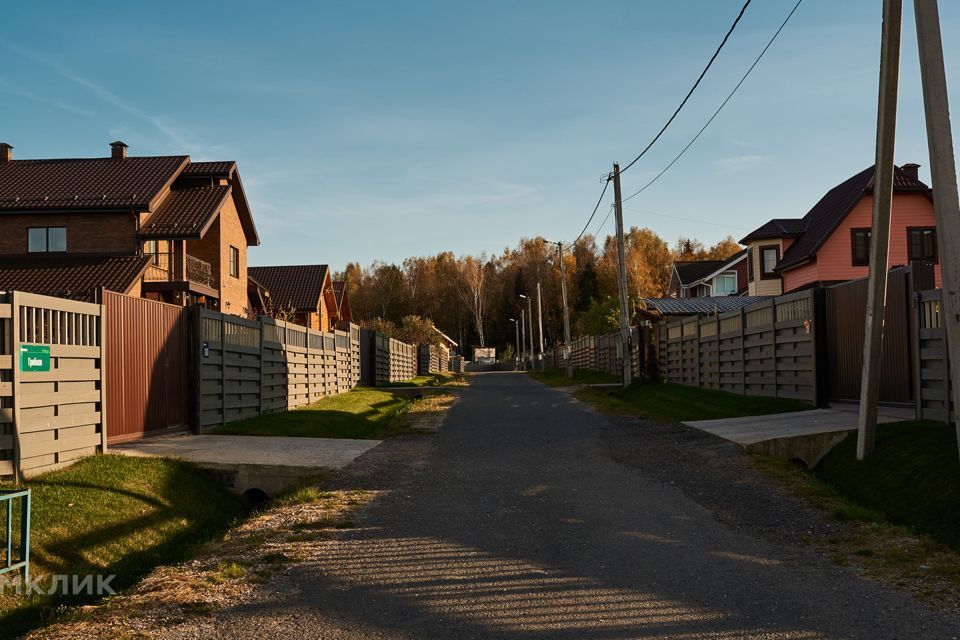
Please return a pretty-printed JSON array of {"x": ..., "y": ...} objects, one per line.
[
  {"x": 446, "y": 379},
  {"x": 366, "y": 413},
  {"x": 115, "y": 515},
  {"x": 667, "y": 402},
  {"x": 875, "y": 500},
  {"x": 223, "y": 573},
  {"x": 558, "y": 377}
]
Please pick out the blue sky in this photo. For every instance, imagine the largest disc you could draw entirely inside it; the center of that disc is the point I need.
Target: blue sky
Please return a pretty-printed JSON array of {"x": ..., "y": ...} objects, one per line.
[{"x": 378, "y": 130}]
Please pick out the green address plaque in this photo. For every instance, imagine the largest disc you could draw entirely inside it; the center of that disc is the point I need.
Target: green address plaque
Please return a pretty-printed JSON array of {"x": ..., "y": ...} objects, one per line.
[{"x": 34, "y": 357}]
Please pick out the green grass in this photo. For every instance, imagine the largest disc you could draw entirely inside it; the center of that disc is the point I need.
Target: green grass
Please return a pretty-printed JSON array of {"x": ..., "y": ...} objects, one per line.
[
  {"x": 111, "y": 514},
  {"x": 364, "y": 412},
  {"x": 431, "y": 380},
  {"x": 558, "y": 377},
  {"x": 912, "y": 478},
  {"x": 676, "y": 403}
]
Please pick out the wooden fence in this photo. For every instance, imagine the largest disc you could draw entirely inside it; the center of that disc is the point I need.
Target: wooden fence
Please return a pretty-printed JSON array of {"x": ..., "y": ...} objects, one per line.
[
  {"x": 432, "y": 359},
  {"x": 51, "y": 375},
  {"x": 932, "y": 366},
  {"x": 601, "y": 353},
  {"x": 248, "y": 367},
  {"x": 384, "y": 360},
  {"x": 766, "y": 349}
]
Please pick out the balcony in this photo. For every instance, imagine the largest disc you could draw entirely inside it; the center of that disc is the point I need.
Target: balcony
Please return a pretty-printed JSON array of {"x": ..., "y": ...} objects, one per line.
[{"x": 162, "y": 268}]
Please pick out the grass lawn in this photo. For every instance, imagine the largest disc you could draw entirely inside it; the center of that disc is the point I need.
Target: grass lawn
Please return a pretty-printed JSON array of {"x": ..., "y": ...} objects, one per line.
[
  {"x": 913, "y": 477},
  {"x": 111, "y": 514},
  {"x": 676, "y": 403},
  {"x": 431, "y": 380},
  {"x": 364, "y": 412},
  {"x": 558, "y": 377}
]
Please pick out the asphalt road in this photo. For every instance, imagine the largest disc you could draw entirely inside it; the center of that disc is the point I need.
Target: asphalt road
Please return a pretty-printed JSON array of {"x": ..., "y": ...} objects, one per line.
[{"x": 529, "y": 515}]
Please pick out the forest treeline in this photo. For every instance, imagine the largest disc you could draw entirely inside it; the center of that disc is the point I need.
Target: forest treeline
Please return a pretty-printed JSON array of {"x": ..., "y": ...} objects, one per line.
[{"x": 472, "y": 298}]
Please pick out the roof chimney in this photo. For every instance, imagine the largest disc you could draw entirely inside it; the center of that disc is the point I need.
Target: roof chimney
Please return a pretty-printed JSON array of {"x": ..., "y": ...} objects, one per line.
[
  {"x": 118, "y": 150},
  {"x": 6, "y": 152},
  {"x": 912, "y": 170}
]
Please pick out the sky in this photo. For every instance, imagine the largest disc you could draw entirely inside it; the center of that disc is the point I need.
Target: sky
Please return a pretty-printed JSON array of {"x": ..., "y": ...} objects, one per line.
[{"x": 373, "y": 131}]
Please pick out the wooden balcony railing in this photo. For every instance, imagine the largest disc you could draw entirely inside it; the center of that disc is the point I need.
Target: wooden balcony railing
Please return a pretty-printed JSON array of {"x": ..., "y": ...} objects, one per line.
[{"x": 161, "y": 269}]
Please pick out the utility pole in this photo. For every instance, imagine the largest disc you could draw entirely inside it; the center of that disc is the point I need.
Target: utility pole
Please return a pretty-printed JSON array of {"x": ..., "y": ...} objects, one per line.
[
  {"x": 624, "y": 302},
  {"x": 943, "y": 171},
  {"x": 530, "y": 316},
  {"x": 566, "y": 314},
  {"x": 880, "y": 233},
  {"x": 543, "y": 363}
]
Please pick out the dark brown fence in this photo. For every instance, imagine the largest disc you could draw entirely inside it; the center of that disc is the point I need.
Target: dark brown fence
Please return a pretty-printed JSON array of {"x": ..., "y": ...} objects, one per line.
[
  {"x": 147, "y": 354},
  {"x": 602, "y": 353},
  {"x": 766, "y": 349},
  {"x": 846, "y": 306}
]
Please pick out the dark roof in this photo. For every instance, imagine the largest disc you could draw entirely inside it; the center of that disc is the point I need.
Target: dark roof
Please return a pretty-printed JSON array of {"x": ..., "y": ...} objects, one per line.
[
  {"x": 821, "y": 221},
  {"x": 221, "y": 168},
  {"x": 339, "y": 288},
  {"x": 89, "y": 183},
  {"x": 185, "y": 213},
  {"x": 77, "y": 277},
  {"x": 297, "y": 286},
  {"x": 701, "y": 305},
  {"x": 690, "y": 271},
  {"x": 777, "y": 228}
]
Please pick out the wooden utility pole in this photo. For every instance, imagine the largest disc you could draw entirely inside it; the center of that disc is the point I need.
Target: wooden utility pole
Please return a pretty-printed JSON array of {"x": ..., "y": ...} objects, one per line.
[
  {"x": 943, "y": 171},
  {"x": 624, "y": 301},
  {"x": 523, "y": 334},
  {"x": 543, "y": 363},
  {"x": 566, "y": 313},
  {"x": 880, "y": 234}
]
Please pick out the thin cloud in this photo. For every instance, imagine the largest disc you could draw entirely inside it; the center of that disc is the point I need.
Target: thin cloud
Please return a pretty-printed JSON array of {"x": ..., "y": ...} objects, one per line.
[
  {"x": 107, "y": 96},
  {"x": 29, "y": 95},
  {"x": 738, "y": 163}
]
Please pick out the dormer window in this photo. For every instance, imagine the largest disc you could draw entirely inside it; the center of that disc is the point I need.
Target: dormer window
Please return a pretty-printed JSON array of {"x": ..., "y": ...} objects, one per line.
[{"x": 46, "y": 239}]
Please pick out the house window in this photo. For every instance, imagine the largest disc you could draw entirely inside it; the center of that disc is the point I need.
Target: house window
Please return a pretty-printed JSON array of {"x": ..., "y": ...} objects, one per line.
[
  {"x": 769, "y": 257},
  {"x": 234, "y": 262},
  {"x": 46, "y": 239},
  {"x": 922, "y": 243},
  {"x": 151, "y": 249},
  {"x": 860, "y": 249},
  {"x": 725, "y": 284}
]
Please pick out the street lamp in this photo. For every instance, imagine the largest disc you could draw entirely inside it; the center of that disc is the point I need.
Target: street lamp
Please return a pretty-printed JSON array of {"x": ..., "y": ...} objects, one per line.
[
  {"x": 516, "y": 326},
  {"x": 529, "y": 315}
]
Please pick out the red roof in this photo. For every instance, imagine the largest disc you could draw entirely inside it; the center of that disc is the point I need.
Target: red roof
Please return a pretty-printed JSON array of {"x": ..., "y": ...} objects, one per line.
[
  {"x": 89, "y": 183},
  {"x": 218, "y": 168},
  {"x": 77, "y": 277},
  {"x": 339, "y": 288},
  {"x": 185, "y": 213},
  {"x": 299, "y": 287}
]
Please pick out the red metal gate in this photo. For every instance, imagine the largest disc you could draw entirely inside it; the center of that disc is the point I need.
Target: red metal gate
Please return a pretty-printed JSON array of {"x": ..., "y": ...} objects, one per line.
[{"x": 147, "y": 356}]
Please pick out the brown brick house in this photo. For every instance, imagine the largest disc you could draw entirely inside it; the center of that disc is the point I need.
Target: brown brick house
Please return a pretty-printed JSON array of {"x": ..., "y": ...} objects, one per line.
[
  {"x": 160, "y": 226},
  {"x": 301, "y": 293}
]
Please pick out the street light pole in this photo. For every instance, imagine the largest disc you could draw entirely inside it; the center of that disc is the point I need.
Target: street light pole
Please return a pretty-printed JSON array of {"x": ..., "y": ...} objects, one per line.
[
  {"x": 516, "y": 328},
  {"x": 530, "y": 315},
  {"x": 523, "y": 333}
]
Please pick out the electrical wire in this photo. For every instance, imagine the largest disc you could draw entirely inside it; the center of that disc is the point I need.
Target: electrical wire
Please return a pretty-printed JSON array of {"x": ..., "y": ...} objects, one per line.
[
  {"x": 693, "y": 88},
  {"x": 722, "y": 104},
  {"x": 606, "y": 183}
]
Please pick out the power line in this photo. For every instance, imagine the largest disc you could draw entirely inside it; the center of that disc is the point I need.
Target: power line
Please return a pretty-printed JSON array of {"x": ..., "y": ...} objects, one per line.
[
  {"x": 722, "y": 104},
  {"x": 606, "y": 183},
  {"x": 693, "y": 88},
  {"x": 670, "y": 120}
]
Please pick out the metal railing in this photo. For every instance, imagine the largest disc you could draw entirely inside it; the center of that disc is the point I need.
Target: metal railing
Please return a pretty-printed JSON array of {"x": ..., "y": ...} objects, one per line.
[
  {"x": 161, "y": 269},
  {"x": 21, "y": 561}
]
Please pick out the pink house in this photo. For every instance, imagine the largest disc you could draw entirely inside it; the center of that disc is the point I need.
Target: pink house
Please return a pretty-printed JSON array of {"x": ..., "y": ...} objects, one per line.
[{"x": 831, "y": 243}]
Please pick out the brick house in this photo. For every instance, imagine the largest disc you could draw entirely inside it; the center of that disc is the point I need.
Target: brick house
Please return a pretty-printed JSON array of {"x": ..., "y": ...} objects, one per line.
[
  {"x": 301, "y": 293},
  {"x": 831, "y": 243},
  {"x": 161, "y": 227},
  {"x": 699, "y": 278}
]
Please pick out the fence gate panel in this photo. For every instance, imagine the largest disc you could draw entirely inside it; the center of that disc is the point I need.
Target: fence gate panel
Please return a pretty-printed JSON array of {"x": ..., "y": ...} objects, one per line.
[
  {"x": 147, "y": 356},
  {"x": 846, "y": 314}
]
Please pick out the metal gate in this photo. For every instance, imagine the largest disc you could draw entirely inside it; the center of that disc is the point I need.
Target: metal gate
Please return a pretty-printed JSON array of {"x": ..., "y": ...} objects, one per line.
[
  {"x": 147, "y": 355},
  {"x": 846, "y": 314}
]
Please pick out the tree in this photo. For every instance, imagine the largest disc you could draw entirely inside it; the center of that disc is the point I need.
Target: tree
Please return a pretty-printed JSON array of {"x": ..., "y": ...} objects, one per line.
[
  {"x": 724, "y": 249},
  {"x": 473, "y": 274},
  {"x": 417, "y": 330}
]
